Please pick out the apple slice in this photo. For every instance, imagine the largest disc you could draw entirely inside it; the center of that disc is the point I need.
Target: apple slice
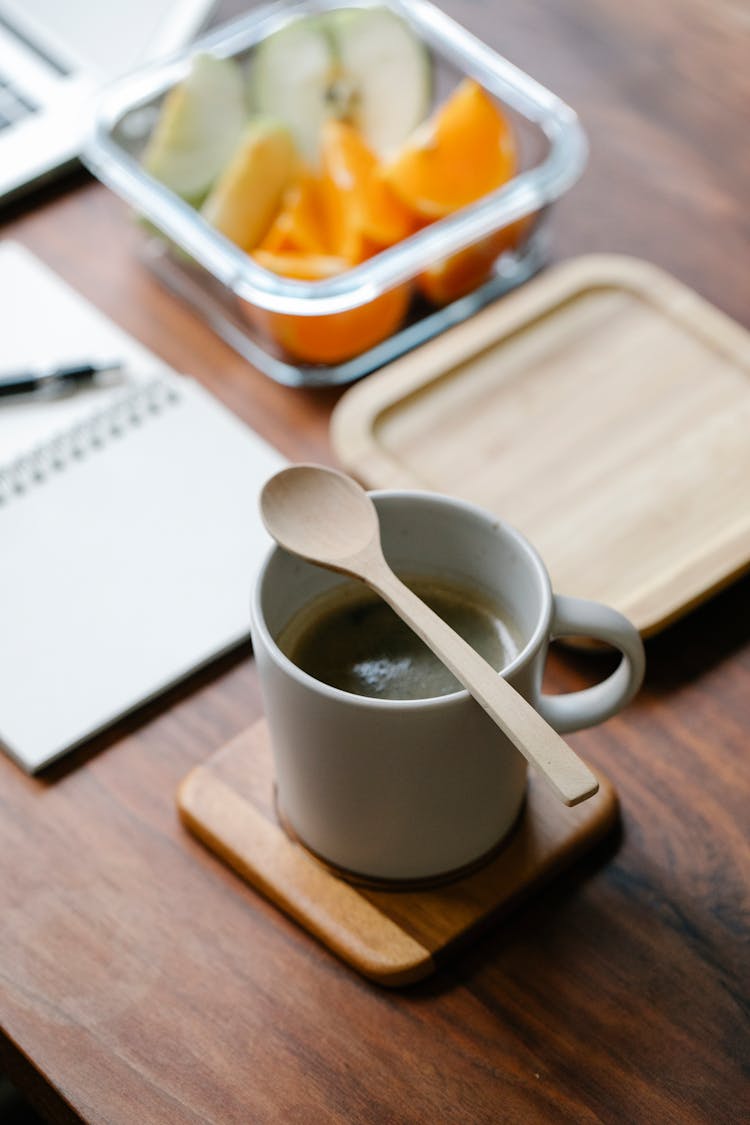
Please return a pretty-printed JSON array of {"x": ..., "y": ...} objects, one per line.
[
  {"x": 292, "y": 71},
  {"x": 389, "y": 72},
  {"x": 362, "y": 66},
  {"x": 200, "y": 123},
  {"x": 246, "y": 197}
]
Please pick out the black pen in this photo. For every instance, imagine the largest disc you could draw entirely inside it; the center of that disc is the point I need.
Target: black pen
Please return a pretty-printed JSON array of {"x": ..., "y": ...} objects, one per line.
[{"x": 56, "y": 380}]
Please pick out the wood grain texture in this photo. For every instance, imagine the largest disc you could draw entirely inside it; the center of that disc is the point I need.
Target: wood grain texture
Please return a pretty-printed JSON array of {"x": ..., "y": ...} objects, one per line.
[
  {"x": 141, "y": 981},
  {"x": 640, "y": 499},
  {"x": 395, "y": 937}
]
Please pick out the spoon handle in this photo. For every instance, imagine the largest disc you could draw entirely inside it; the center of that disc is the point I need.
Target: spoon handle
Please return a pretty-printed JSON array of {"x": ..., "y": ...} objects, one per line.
[{"x": 542, "y": 746}]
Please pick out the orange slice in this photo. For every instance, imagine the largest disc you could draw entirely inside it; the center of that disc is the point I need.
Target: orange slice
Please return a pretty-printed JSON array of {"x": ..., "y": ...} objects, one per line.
[
  {"x": 299, "y": 226},
  {"x": 464, "y": 151},
  {"x": 364, "y": 215},
  {"x": 301, "y": 266},
  {"x": 335, "y": 337},
  {"x": 461, "y": 273}
]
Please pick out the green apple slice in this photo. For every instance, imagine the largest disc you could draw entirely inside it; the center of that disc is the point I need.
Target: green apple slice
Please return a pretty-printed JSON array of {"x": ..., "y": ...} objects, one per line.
[
  {"x": 362, "y": 65},
  {"x": 245, "y": 198},
  {"x": 389, "y": 71},
  {"x": 291, "y": 73},
  {"x": 200, "y": 123}
]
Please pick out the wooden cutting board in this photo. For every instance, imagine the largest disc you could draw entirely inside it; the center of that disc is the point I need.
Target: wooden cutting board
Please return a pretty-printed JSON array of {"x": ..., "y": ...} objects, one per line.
[{"x": 603, "y": 409}]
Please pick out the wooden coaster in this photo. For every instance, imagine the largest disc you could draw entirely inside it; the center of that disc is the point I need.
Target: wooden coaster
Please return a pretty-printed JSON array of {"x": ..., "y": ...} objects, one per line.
[{"x": 393, "y": 937}]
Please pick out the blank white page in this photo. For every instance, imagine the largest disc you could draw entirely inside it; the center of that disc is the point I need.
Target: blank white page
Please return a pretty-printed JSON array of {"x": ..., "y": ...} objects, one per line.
[{"x": 126, "y": 565}]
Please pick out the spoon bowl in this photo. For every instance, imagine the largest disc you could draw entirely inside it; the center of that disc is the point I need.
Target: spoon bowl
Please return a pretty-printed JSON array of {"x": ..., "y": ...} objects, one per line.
[{"x": 319, "y": 514}]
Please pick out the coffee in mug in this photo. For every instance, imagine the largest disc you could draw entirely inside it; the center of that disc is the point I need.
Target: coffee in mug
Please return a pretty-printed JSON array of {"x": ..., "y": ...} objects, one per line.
[{"x": 350, "y": 639}]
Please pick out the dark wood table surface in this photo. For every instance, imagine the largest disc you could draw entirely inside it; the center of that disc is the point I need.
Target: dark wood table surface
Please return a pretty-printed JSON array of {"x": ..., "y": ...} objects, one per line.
[{"x": 142, "y": 982}]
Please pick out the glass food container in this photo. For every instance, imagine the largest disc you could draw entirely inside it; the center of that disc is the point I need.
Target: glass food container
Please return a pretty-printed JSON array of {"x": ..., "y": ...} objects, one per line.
[{"x": 220, "y": 280}]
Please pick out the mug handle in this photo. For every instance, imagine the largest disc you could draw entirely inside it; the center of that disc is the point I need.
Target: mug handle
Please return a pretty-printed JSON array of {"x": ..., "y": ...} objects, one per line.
[{"x": 578, "y": 617}]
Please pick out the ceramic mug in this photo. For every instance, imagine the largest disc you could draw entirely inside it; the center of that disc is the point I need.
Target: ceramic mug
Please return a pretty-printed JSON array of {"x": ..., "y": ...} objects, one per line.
[{"x": 418, "y": 789}]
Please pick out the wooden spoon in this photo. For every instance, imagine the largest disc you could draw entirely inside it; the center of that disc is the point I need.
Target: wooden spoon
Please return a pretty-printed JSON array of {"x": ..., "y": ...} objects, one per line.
[{"x": 326, "y": 518}]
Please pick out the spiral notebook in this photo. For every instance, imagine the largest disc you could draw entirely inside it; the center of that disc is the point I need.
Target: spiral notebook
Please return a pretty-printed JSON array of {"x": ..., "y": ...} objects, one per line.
[{"x": 129, "y": 534}]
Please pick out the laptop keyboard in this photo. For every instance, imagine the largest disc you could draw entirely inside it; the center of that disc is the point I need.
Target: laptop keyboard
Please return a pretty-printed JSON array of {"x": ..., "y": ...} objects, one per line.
[{"x": 14, "y": 106}]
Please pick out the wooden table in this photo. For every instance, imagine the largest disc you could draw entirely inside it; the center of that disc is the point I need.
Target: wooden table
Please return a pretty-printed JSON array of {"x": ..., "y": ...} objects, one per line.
[{"x": 140, "y": 981}]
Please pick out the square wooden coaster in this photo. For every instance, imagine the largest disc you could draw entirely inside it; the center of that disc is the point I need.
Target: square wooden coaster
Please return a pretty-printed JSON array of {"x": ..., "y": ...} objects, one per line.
[{"x": 393, "y": 937}]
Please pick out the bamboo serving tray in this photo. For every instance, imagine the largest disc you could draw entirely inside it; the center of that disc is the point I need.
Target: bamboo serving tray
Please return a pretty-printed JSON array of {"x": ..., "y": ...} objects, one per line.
[
  {"x": 604, "y": 410},
  {"x": 394, "y": 937}
]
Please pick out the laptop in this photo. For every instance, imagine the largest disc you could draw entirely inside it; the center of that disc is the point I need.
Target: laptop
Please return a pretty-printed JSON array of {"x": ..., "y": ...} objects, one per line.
[{"x": 55, "y": 55}]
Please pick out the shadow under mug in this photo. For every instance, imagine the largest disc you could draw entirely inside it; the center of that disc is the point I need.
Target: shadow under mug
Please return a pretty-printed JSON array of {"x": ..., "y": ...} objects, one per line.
[{"x": 417, "y": 789}]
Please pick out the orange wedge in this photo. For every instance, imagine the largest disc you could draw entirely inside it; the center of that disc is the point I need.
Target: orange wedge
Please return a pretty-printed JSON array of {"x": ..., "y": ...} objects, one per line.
[
  {"x": 364, "y": 215},
  {"x": 299, "y": 226},
  {"x": 464, "y": 151},
  {"x": 301, "y": 266},
  {"x": 333, "y": 338},
  {"x": 461, "y": 273}
]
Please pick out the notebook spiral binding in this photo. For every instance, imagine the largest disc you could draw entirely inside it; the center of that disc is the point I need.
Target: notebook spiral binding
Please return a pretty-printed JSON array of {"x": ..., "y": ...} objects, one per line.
[{"x": 85, "y": 438}]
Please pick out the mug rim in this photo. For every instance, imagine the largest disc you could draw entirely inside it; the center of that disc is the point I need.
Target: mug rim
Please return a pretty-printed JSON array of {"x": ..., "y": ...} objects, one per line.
[{"x": 524, "y": 656}]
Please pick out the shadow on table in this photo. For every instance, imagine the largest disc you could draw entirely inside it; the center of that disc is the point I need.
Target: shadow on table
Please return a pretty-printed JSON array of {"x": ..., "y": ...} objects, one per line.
[
  {"x": 541, "y": 911},
  {"x": 13, "y": 1109},
  {"x": 702, "y": 640},
  {"x": 690, "y": 647}
]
